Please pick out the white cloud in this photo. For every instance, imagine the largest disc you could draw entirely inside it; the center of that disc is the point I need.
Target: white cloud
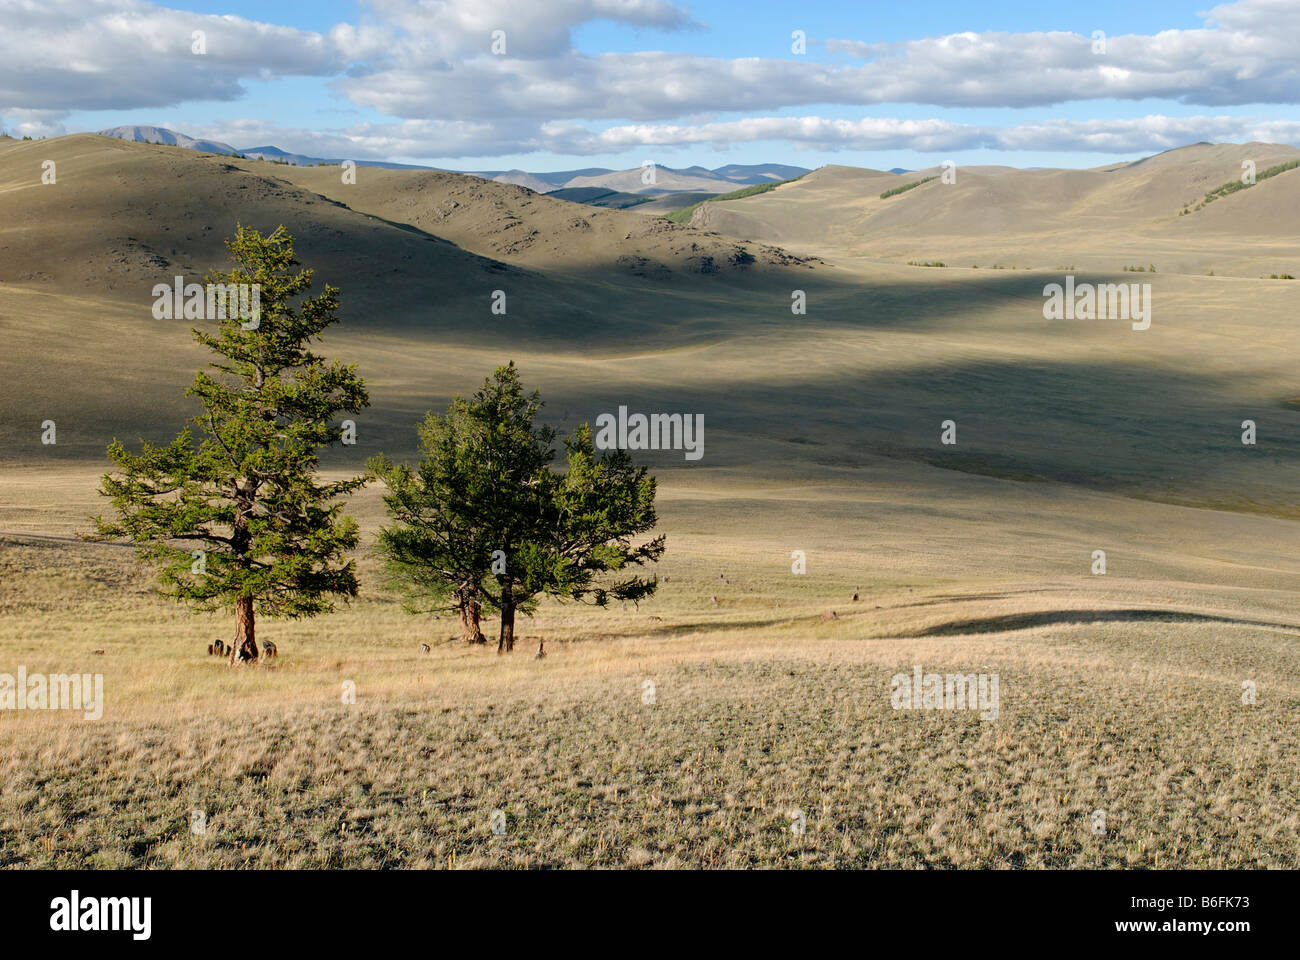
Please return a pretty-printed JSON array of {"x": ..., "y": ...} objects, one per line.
[
  {"x": 34, "y": 123},
  {"x": 810, "y": 132},
  {"x": 428, "y": 64},
  {"x": 425, "y": 33},
  {"x": 119, "y": 54},
  {"x": 463, "y": 139},
  {"x": 1249, "y": 52},
  {"x": 433, "y": 60}
]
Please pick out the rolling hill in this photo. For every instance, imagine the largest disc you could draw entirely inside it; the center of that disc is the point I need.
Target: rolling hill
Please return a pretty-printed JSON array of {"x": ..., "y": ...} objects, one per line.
[
  {"x": 143, "y": 134},
  {"x": 161, "y": 135},
  {"x": 418, "y": 256},
  {"x": 518, "y": 226},
  {"x": 608, "y": 307},
  {"x": 715, "y": 181},
  {"x": 1103, "y": 218},
  {"x": 159, "y": 211}
]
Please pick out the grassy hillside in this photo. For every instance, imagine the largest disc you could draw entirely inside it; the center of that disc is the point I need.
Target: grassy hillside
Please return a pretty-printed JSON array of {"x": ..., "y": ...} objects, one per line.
[
  {"x": 1120, "y": 691},
  {"x": 884, "y": 354},
  {"x": 895, "y": 191},
  {"x": 1098, "y": 219},
  {"x": 1232, "y": 186},
  {"x": 600, "y": 197},
  {"x": 684, "y": 215}
]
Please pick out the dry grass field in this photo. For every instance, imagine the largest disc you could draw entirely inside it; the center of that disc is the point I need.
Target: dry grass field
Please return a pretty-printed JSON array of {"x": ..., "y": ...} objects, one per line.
[
  {"x": 1120, "y": 693},
  {"x": 769, "y": 737}
]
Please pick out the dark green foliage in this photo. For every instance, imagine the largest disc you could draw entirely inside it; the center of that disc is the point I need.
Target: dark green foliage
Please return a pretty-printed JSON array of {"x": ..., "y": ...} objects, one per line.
[
  {"x": 483, "y": 515},
  {"x": 479, "y": 487},
  {"x": 247, "y": 494},
  {"x": 905, "y": 187},
  {"x": 1232, "y": 186},
  {"x": 684, "y": 215},
  {"x": 603, "y": 501}
]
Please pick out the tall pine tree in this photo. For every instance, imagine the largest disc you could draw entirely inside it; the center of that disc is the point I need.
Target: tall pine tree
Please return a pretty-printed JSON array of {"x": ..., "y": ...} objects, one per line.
[{"x": 241, "y": 519}]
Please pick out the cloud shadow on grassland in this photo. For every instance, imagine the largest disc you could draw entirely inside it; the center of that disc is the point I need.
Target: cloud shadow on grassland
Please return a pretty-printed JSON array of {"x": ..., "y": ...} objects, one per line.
[{"x": 1027, "y": 621}]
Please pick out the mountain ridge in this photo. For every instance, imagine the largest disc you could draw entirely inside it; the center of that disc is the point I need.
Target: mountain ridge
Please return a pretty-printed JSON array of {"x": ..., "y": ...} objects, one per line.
[{"x": 723, "y": 178}]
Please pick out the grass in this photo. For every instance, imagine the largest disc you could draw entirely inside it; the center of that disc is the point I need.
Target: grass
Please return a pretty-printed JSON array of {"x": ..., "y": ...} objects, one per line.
[
  {"x": 684, "y": 215},
  {"x": 709, "y": 775},
  {"x": 598, "y": 197},
  {"x": 1119, "y": 693}
]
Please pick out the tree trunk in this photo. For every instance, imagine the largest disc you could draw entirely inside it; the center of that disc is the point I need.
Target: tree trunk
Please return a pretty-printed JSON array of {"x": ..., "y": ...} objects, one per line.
[
  {"x": 245, "y": 646},
  {"x": 244, "y": 649},
  {"x": 506, "y": 644},
  {"x": 470, "y": 611}
]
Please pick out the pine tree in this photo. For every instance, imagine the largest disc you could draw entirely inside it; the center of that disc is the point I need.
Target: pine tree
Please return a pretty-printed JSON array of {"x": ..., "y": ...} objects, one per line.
[
  {"x": 480, "y": 483},
  {"x": 267, "y": 530},
  {"x": 603, "y": 502},
  {"x": 485, "y": 517}
]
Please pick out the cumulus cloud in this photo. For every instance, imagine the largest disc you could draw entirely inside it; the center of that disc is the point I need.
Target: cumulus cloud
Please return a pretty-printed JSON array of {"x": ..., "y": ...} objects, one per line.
[
  {"x": 33, "y": 123},
  {"x": 1152, "y": 132},
  {"x": 118, "y": 54},
  {"x": 434, "y": 60},
  {"x": 430, "y": 66},
  {"x": 1248, "y": 52},
  {"x": 383, "y": 141},
  {"x": 463, "y": 139},
  {"x": 424, "y": 33},
  {"x": 809, "y": 132}
]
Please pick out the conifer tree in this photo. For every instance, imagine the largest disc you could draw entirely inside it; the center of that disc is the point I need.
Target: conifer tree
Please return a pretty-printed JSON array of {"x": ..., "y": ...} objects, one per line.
[
  {"x": 241, "y": 519},
  {"x": 484, "y": 517},
  {"x": 475, "y": 498}
]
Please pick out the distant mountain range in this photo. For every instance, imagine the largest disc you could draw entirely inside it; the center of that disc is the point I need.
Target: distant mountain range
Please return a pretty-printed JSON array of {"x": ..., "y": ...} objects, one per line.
[
  {"x": 666, "y": 179},
  {"x": 597, "y": 182},
  {"x": 171, "y": 138}
]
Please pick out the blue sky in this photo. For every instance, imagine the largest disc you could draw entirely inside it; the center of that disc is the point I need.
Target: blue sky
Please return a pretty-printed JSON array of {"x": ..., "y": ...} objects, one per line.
[{"x": 615, "y": 82}]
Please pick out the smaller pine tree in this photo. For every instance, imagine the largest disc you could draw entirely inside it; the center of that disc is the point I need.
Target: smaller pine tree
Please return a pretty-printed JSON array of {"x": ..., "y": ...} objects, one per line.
[
  {"x": 483, "y": 519},
  {"x": 603, "y": 502}
]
